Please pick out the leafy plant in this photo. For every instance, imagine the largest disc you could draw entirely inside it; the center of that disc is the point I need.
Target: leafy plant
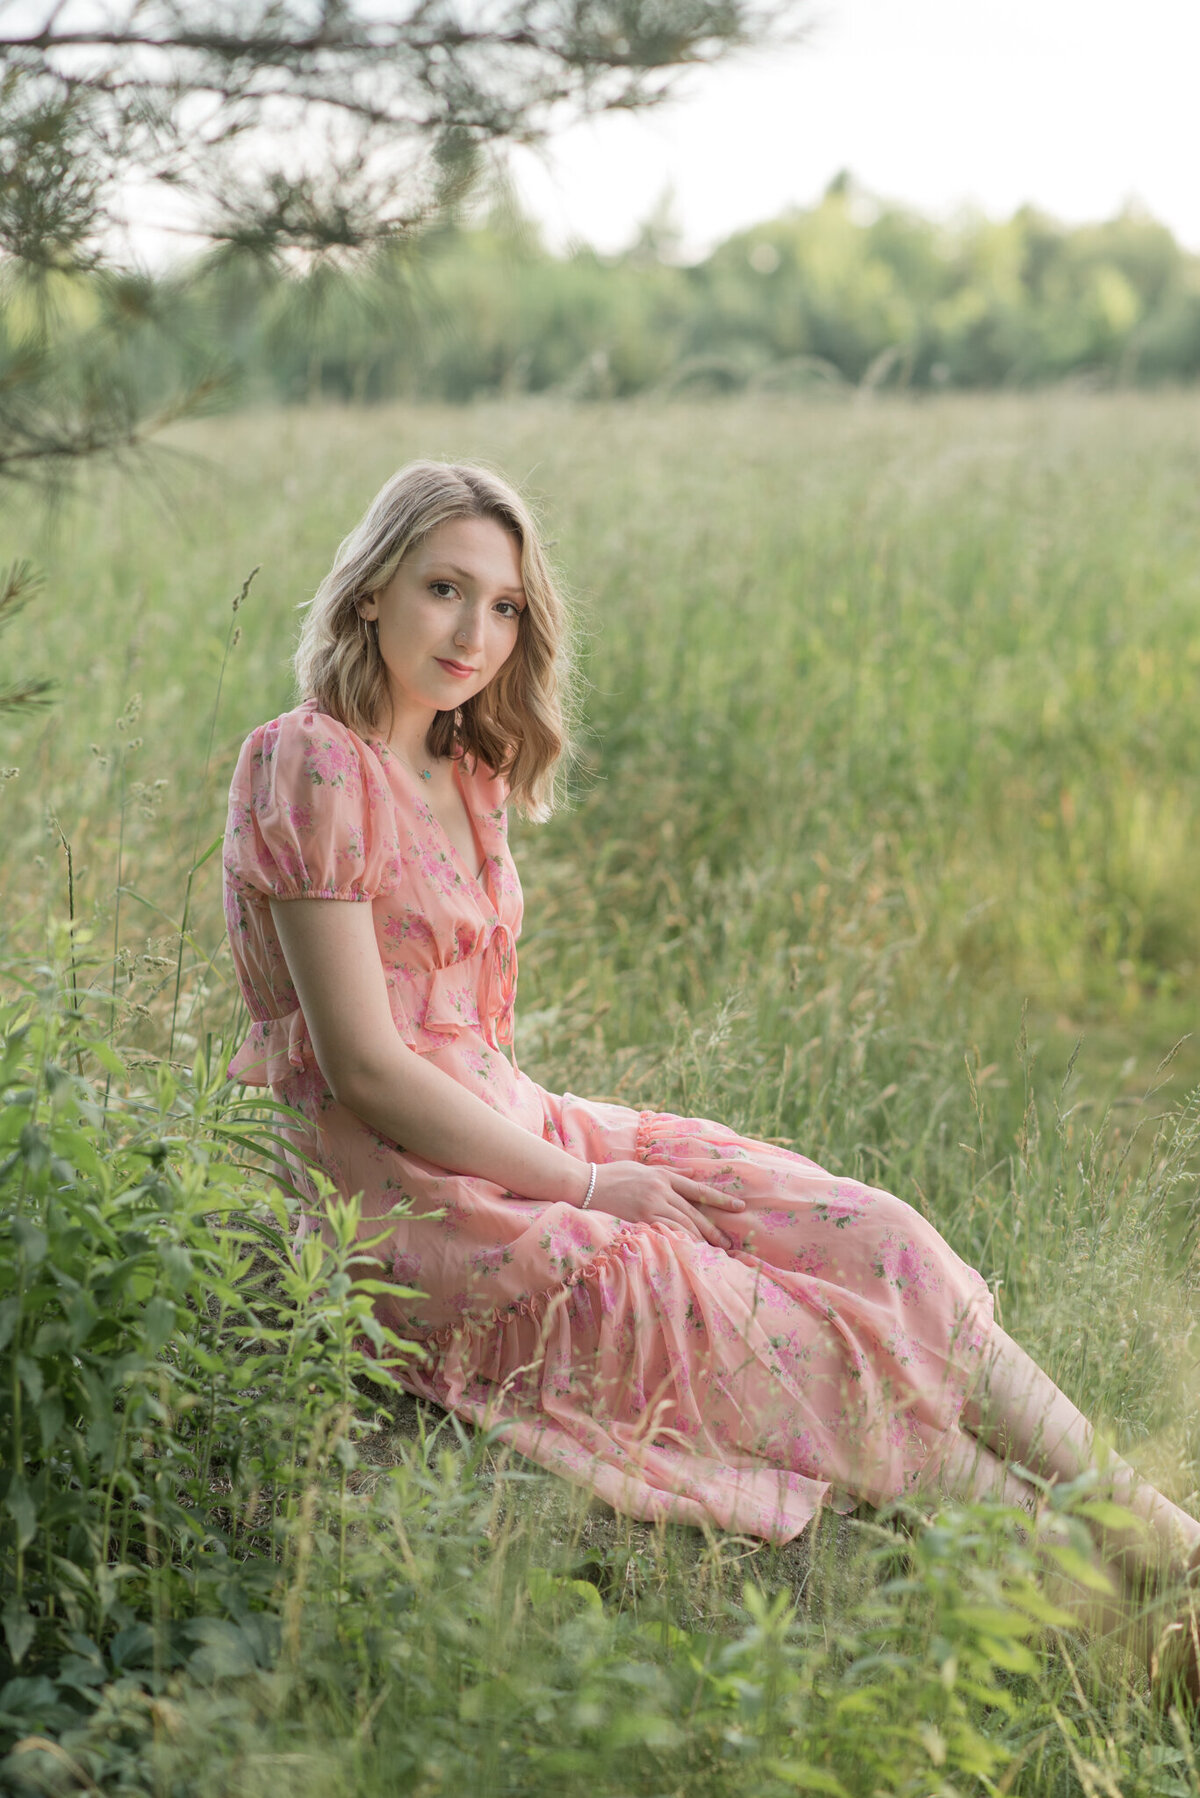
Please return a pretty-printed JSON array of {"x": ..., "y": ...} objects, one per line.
[{"x": 178, "y": 1398}]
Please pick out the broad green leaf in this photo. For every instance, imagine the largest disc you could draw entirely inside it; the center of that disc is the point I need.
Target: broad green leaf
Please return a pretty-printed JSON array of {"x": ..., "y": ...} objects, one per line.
[
  {"x": 30, "y": 1376},
  {"x": 18, "y": 1502},
  {"x": 590, "y": 1598},
  {"x": 19, "y": 1628},
  {"x": 868, "y": 1699},
  {"x": 133, "y": 1646},
  {"x": 34, "y": 1151},
  {"x": 158, "y": 1321},
  {"x": 50, "y": 1419},
  {"x": 1076, "y": 1566},
  {"x": 31, "y": 1239},
  {"x": 82, "y": 1315},
  {"x": 1013, "y": 1656},
  {"x": 178, "y": 1266},
  {"x": 1035, "y": 1604},
  {"x": 86, "y": 1675},
  {"x": 109, "y": 1060},
  {"x": 223, "y": 1651},
  {"x": 992, "y": 1620},
  {"x": 101, "y": 1435},
  {"x": 10, "y": 1311},
  {"x": 808, "y": 1779},
  {"x": 1108, "y": 1515}
]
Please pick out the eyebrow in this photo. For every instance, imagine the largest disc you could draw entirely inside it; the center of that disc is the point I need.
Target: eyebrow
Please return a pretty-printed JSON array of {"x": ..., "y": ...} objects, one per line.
[{"x": 464, "y": 574}]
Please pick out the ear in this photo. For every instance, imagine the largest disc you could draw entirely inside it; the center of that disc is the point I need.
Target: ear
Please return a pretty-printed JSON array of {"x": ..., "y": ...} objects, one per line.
[{"x": 368, "y": 607}]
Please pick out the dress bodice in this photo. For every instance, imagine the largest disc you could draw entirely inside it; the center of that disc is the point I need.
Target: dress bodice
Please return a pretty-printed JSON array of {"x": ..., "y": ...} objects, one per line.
[{"x": 317, "y": 812}]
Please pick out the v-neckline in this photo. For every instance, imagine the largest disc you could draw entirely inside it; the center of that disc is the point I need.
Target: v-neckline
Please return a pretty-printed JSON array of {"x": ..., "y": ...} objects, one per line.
[
  {"x": 457, "y": 776},
  {"x": 478, "y": 880}
]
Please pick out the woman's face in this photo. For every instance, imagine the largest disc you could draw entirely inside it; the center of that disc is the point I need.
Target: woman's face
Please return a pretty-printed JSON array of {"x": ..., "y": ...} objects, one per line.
[{"x": 449, "y": 616}]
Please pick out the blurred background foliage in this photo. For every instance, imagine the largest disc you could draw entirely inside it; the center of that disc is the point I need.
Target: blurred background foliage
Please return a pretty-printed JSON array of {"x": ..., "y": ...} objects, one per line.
[{"x": 850, "y": 292}]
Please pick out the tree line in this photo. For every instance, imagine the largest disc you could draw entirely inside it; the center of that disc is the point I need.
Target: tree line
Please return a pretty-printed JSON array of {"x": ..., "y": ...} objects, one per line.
[{"x": 848, "y": 292}]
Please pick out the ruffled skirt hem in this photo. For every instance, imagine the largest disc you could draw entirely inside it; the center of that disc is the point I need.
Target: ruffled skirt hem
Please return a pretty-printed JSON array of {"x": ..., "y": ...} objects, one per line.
[{"x": 679, "y": 1381}]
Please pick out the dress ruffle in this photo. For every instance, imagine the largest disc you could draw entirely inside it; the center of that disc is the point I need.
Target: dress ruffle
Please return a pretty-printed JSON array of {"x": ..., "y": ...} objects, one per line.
[
  {"x": 675, "y": 1380},
  {"x": 538, "y": 1306},
  {"x": 473, "y": 994}
]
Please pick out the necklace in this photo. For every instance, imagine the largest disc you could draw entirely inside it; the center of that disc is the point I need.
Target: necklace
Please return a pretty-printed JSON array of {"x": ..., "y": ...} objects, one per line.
[{"x": 421, "y": 773}]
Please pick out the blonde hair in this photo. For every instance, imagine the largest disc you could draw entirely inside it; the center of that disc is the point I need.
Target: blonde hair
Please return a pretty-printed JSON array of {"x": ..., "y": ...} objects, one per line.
[{"x": 515, "y": 725}]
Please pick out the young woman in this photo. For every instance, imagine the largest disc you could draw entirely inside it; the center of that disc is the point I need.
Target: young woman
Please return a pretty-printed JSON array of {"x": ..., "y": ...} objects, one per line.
[{"x": 691, "y": 1323}]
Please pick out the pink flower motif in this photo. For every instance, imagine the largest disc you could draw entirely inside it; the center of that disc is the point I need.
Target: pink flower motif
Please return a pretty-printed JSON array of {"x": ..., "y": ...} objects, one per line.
[
  {"x": 290, "y": 865},
  {"x": 806, "y": 1451},
  {"x": 405, "y": 1268},
  {"x": 437, "y": 870},
  {"x": 331, "y": 764},
  {"x": 905, "y": 1350},
  {"x": 841, "y": 1205},
  {"x": 774, "y": 1219},
  {"x": 811, "y": 1261},
  {"x": 490, "y": 1261},
  {"x": 902, "y": 1265},
  {"x": 724, "y": 1179},
  {"x": 408, "y": 926}
]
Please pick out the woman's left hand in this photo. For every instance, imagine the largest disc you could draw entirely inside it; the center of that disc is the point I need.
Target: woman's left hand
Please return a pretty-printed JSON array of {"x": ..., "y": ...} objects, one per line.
[{"x": 642, "y": 1194}]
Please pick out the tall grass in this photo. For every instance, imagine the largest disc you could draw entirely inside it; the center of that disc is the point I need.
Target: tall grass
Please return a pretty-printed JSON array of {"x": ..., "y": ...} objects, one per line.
[{"x": 884, "y": 842}]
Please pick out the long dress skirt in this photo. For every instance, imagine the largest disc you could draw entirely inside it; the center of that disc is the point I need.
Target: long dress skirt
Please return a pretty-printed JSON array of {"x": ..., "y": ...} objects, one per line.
[{"x": 824, "y": 1359}]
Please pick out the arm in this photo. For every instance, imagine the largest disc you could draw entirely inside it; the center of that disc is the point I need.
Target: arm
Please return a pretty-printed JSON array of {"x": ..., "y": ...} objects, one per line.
[{"x": 333, "y": 960}]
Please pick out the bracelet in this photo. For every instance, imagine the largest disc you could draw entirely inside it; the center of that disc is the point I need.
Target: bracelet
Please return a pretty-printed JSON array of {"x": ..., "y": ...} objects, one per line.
[{"x": 587, "y": 1197}]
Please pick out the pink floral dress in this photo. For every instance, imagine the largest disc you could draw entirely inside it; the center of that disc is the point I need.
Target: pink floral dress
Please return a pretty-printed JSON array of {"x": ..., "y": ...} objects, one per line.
[{"x": 824, "y": 1357}]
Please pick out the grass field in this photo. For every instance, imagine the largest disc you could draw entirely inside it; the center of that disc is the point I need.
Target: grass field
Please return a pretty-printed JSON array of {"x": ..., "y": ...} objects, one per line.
[{"x": 883, "y": 840}]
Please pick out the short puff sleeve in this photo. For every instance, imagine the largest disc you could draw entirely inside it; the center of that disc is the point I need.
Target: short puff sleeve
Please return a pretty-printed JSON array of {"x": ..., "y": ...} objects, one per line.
[{"x": 311, "y": 815}]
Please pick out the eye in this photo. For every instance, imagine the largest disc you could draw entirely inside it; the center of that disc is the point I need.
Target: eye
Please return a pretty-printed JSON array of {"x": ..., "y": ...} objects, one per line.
[
  {"x": 442, "y": 589},
  {"x": 508, "y": 608}
]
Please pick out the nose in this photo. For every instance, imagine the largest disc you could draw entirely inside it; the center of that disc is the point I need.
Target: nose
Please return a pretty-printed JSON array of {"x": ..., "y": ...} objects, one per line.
[{"x": 469, "y": 634}]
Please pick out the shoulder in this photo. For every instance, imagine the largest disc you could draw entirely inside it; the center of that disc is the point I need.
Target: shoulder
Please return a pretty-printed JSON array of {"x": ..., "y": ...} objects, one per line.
[
  {"x": 310, "y": 812},
  {"x": 329, "y": 750},
  {"x": 306, "y": 748}
]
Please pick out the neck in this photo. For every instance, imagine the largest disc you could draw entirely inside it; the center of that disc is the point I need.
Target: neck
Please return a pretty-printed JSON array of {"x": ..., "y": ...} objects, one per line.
[{"x": 407, "y": 736}]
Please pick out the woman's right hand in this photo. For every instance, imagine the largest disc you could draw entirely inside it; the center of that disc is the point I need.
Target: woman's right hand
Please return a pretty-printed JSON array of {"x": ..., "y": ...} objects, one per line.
[{"x": 642, "y": 1194}]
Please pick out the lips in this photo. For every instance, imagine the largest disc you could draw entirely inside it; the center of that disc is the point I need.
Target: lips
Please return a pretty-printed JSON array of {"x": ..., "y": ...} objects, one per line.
[{"x": 457, "y": 668}]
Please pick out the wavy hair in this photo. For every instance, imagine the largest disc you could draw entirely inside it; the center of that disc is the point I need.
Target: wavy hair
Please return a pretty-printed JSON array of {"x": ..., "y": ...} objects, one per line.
[{"x": 515, "y": 725}]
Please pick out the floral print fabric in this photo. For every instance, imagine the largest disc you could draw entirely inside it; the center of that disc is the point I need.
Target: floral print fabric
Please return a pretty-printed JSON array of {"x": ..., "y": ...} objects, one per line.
[{"x": 826, "y": 1355}]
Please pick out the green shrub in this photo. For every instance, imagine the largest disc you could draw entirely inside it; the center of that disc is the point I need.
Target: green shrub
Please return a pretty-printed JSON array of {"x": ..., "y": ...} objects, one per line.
[{"x": 172, "y": 1385}]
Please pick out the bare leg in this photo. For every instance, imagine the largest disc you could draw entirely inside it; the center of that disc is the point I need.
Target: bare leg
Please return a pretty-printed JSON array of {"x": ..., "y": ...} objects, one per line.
[
  {"x": 966, "y": 1468},
  {"x": 1022, "y": 1415}
]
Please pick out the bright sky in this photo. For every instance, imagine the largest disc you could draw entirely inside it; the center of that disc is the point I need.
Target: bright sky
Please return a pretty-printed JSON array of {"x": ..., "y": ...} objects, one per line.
[{"x": 1075, "y": 105}]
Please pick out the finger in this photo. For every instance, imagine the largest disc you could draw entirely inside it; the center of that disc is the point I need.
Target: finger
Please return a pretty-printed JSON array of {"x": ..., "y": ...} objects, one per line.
[
  {"x": 708, "y": 1230},
  {"x": 698, "y": 1194},
  {"x": 681, "y": 1213},
  {"x": 674, "y": 1221}
]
